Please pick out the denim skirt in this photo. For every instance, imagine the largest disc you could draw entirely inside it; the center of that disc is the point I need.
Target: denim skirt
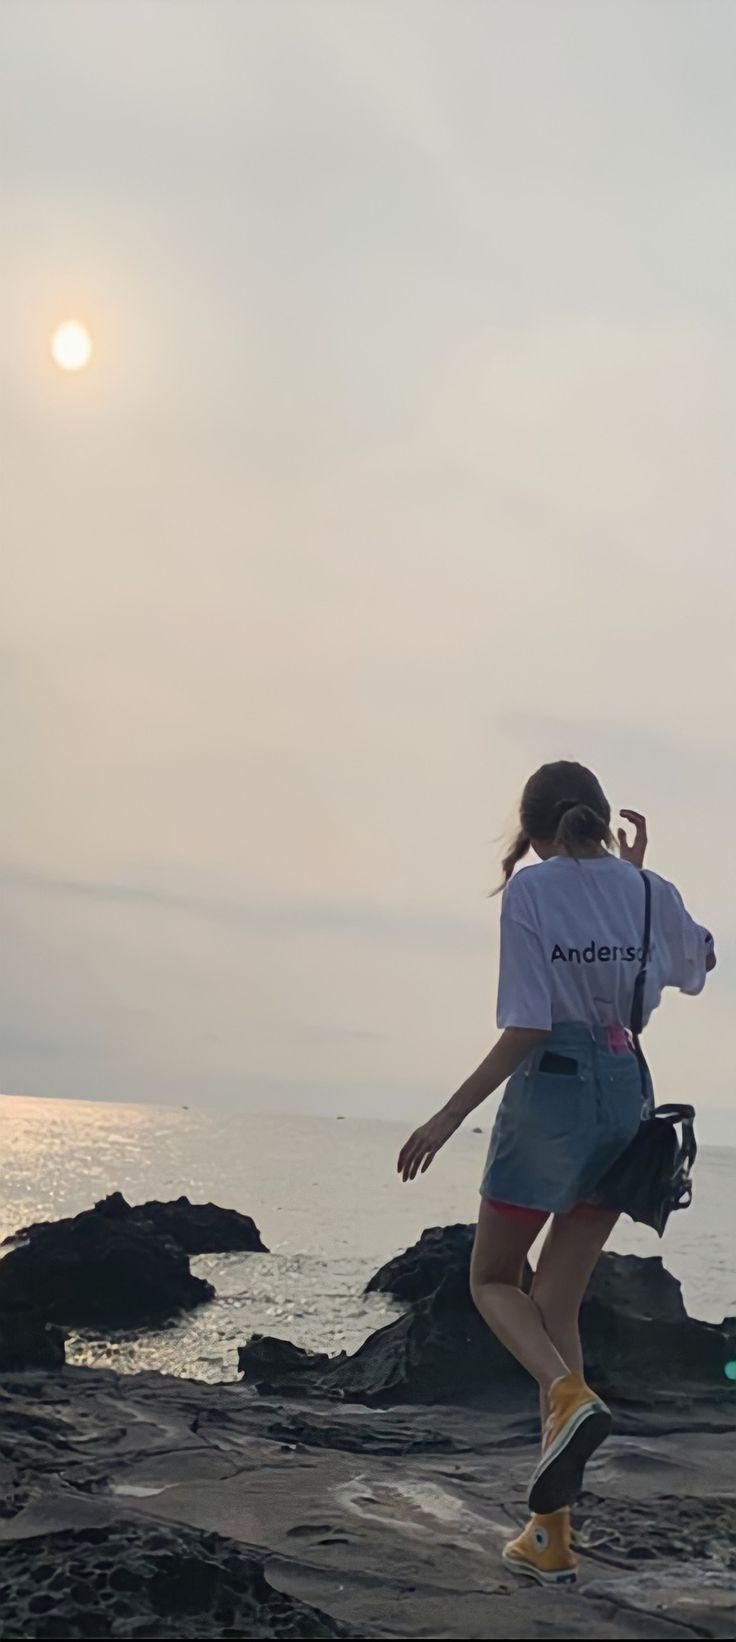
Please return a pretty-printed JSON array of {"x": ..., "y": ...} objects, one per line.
[{"x": 558, "y": 1131}]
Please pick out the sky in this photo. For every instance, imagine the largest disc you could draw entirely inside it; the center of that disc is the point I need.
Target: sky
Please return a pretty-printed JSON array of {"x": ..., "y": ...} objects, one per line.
[{"x": 404, "y": 463}]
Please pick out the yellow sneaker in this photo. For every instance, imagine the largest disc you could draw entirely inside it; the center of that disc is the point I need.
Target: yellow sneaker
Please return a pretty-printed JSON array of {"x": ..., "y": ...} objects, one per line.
[
  {"x": 578, "y": 1423},
  {"x": 542, "y": 1551}
]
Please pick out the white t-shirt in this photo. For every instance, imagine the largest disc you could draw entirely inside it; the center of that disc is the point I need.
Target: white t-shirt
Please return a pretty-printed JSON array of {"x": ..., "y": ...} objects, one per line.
[{"x": 571, "y": 943}]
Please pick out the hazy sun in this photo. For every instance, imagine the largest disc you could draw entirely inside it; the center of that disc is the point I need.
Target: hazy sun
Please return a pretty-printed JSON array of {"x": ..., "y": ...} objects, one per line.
[{"x": 71, "y": 346}]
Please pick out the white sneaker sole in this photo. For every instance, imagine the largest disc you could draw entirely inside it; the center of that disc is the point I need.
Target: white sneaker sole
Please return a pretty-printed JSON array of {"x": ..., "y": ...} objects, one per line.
[
  {"x": 558, "y": 1478},
  {"x": 529, "y": 1570}
]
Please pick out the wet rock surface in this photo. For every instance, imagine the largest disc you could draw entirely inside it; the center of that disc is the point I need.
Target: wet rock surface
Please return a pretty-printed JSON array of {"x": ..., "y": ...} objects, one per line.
[{"x": 636, "y": 1334}]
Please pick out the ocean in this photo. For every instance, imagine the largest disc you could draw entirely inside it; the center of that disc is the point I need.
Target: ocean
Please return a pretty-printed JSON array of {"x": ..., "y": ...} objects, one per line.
[{"x": 329, "y": 1205}]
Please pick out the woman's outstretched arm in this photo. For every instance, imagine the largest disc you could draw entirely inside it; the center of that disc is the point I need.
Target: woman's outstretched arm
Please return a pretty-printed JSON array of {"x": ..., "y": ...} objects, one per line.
[{"x": 513, "y": 1046}]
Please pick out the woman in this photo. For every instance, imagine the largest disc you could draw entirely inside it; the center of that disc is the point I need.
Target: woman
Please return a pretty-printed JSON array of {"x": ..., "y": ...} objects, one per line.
[{"x": 571, "y": 948}]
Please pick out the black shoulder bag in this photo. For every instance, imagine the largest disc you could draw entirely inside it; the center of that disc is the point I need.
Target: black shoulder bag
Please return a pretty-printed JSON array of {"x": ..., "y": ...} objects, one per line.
[{"x": 653, "y": 1176}]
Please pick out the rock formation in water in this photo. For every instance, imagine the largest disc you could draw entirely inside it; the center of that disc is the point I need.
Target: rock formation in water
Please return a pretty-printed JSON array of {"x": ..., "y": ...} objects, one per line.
[
  {"x": 198, "y": 1228},
  {"x": 112, "y": 1267},
  {"x": 102, "y": 1269},
  {"x": 442, "y": 1255},
  {"x": 203, "y": 1228},
  {"x": 636, "y": 1333}
]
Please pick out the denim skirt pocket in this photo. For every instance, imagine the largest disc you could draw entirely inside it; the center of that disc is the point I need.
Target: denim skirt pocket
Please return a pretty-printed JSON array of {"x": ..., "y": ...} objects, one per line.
[{"x": 554, "y": 1103}]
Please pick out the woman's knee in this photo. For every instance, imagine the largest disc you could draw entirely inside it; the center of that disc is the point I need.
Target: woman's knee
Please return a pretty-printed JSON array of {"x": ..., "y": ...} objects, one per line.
[
  {"x": 553, "y": 1296},
  {"x": 485, "y": 1278},
  {"x": 497, "y": 1260},
  {"x": 478, "y": 1286},
  {"x": 475, "y": 1283}
]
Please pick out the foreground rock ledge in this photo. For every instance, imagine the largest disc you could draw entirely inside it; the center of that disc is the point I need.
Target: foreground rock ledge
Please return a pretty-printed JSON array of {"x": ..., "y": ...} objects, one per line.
[
  {"x": 131, "y": 1506},
  {"x": 636, "y": 1332},
  {"x": 132, "y": 1579}
]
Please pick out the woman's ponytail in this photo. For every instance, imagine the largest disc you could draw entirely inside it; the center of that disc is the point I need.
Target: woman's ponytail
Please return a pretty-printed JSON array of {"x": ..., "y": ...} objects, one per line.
[
  {"x": 519, "y": 849},
  {"x": 579, "y": 826}
]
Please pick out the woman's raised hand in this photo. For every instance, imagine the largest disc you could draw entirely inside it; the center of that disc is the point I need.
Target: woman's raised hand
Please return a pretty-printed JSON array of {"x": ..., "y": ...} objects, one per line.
[
  {"x": 422, "y": 1147},
  {"x": 636, "y": 850}
]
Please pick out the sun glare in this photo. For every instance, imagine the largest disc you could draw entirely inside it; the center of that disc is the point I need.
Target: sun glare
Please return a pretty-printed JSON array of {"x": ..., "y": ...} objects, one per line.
[{"x": 71, "y": 346}]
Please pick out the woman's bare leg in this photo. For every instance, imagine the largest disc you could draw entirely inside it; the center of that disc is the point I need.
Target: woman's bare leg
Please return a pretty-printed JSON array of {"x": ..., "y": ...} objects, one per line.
[
  {"x": 571, "y": 1250},
  {"x": 502, "y": 1243}
]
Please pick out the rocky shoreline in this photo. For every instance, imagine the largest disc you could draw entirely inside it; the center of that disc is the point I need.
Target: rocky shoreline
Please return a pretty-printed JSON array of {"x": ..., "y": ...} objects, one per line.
[
  {"x": 367, "y": 1494},
  {"x": 635, "y": 1328}
]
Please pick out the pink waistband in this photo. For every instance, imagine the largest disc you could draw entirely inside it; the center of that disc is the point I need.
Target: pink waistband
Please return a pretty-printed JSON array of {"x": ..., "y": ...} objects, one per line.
[{"x": 619, "y": 1040}]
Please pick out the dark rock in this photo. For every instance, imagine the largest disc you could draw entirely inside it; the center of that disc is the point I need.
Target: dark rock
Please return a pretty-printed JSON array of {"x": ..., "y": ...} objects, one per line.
[
  {"x": 442, "y": 1254},
  {"x": 636, "y": 1333},
  {"x": 630, "y": 1531},
  {"x": 645, "y": 1288},
  {"x": 203, "y": 1228},
  {"x": 120, "y": 1267},
  {"x": 434, "y": 1354},
  {"x": 102, "y": 1269},
  {"x": 270, "y": 1359},
  {"x": 622, "y": 1282},
  {"x": 351, "y": 1429},
  {"x": 198, "y": 1228},
  {"x": 186, "y": 1583},
  {"x": 27, "y": 1340}
]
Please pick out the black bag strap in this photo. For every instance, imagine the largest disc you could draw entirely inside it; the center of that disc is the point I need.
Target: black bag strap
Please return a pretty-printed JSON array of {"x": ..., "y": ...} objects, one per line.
[
  {"x": 637, "y": 1002},
  {"x": 687, "y": 1156}
]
